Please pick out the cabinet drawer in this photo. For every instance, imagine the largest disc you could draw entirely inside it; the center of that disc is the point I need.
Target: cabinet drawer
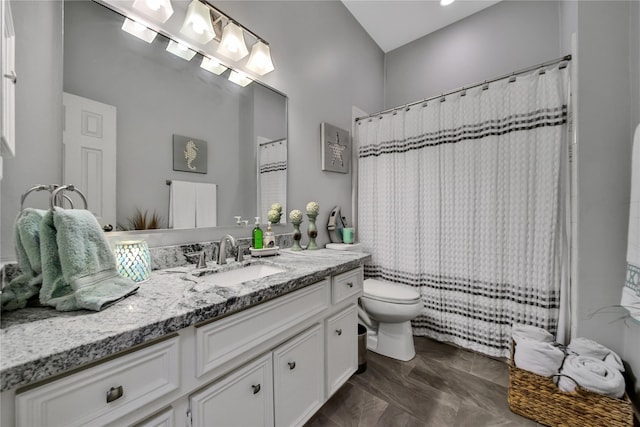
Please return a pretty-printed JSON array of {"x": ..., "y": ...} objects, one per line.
[
  {"x": 164, "y": 419},
  {"x": 346, "y": 285},
  {"x": 243, "y": 399},
  {"x": 298, "y": 377},
  {"x": 342, "y": 348},
  {"x": 223, "y": 340},
  {"x": 129, "y": 382}
]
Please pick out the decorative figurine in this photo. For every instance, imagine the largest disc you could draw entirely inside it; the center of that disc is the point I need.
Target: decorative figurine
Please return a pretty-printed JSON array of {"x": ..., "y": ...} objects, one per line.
[{"x": 295, "y": 216}]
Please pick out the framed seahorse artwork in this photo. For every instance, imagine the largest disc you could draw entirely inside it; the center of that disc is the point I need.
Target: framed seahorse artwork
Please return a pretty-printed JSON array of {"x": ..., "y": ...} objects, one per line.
[
  {"x": 189, "y": 154},
  {"x": 336, "y": 148}
]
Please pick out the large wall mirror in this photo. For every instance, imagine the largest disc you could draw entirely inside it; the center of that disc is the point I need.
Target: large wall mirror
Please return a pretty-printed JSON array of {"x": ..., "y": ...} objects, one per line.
[{"x": 157, "y": 95}]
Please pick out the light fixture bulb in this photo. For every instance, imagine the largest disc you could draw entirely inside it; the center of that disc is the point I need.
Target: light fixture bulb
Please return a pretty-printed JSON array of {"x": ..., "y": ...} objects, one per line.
[
  {"x": 153, "y": 5},
  {"x": 212, "y": 65},
  {"x": 137, "y": 29},
  {"x": 446, "y": 2},
  {"x": 232, "y": 44},
  {"x": 197, "y": 23},
  {"x": 179, "y": 49},
  {"x": 260, "y": 59},
  {"x": 159, "y": 10},
  {"x": 239, "y": 78}
]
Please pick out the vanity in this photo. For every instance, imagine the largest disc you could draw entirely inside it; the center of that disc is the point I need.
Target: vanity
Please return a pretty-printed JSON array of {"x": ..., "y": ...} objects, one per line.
[{"x": 191, "y": 348}]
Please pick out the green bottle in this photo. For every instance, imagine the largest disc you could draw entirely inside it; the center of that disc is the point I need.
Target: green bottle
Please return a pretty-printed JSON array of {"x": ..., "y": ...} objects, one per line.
[{"x": 257, "y": 235}]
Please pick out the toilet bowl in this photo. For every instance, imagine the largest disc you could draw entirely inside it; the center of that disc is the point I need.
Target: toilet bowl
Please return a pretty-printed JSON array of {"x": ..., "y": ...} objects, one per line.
[{"x": 386, "y": 309}]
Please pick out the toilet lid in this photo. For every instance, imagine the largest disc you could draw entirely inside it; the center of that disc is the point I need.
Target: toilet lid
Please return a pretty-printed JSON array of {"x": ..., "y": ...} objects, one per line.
[{"x": 390, "y": 292}]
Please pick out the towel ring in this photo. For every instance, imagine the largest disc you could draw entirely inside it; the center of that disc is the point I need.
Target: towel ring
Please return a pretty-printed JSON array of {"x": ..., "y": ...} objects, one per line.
[
  {"x": 69, "y": 187},
  {"x": 42, "y": 187}
]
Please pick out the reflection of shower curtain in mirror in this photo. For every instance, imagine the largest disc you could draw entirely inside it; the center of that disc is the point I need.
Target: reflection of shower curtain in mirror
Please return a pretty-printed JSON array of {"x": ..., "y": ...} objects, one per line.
[{"x": 272, "y": 164}]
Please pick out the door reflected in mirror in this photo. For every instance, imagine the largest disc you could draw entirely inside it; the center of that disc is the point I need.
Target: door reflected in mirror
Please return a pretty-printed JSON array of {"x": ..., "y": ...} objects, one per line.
[{"x": 157, "y": 95}]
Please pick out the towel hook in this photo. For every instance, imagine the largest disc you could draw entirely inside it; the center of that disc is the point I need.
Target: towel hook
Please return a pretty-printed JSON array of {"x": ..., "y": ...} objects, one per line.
[
  {"x": 69, "y": 187},
  {"x": 42, "y": 187}
]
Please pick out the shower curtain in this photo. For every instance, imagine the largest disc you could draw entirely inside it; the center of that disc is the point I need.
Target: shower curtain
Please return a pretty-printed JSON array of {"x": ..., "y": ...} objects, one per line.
[
  {"x": 272, "y": 181},
  {"x": 465, "y": 199}
]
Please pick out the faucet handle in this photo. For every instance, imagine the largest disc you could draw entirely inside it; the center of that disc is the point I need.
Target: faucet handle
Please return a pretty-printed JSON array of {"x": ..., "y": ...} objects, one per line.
[
  {"x": 240, "y": 252},
  {"x": 202, "y": 262}
]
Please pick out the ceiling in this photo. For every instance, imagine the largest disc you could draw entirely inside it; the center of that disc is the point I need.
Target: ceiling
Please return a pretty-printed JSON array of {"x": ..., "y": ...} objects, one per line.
[{"x": 394, "y": 23}]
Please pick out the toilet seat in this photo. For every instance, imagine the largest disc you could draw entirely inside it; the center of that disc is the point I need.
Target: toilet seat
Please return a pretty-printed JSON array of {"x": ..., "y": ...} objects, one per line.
[{"x": 390, "y": 292}]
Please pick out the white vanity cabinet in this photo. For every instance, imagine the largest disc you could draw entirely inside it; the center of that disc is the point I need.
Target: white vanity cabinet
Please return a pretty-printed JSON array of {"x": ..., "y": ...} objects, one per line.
[
  {"x": 273, "y": 364},
  {"x": 283, "y": 387}
]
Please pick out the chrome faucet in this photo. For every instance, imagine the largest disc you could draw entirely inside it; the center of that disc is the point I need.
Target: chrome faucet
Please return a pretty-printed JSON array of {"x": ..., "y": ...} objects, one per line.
[{"x": 222, "y": 252}]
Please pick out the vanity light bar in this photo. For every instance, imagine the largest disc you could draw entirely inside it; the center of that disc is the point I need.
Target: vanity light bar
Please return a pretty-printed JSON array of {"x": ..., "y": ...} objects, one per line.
[
  {"x": 181, "y": 50},
  {"x": 137, "y": 29}
]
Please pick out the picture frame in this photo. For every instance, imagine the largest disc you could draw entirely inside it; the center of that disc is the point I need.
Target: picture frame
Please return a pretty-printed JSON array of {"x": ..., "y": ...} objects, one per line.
[
  {"x": 336, "y": 148},
  {"x": 189, "y": 154}
]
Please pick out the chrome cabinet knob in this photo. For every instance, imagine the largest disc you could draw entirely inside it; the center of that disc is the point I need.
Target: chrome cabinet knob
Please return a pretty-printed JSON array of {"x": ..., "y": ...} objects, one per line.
[
  {"x": 12, "y": 77},
  {"x": 339, "y": 331},
  {"x": 292, "y": 365},
  {"x": 256, "y": 388},
  {"x": 350, "y": 284},
  {"x": 115, "y": 393}
]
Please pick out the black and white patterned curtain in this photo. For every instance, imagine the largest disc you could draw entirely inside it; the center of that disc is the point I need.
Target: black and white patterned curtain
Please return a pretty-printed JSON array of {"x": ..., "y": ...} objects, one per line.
[{"x": 464, "y": 199}]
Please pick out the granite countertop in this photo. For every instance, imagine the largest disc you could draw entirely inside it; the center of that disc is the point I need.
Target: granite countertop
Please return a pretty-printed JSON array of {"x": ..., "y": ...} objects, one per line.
[{"x": 36, "y": 343}]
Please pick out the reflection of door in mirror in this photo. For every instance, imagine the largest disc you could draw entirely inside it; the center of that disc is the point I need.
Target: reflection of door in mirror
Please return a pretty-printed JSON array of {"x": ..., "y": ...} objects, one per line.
[
  {"x": 89, "y": 143},
  {"x": 272, "y": 176}
]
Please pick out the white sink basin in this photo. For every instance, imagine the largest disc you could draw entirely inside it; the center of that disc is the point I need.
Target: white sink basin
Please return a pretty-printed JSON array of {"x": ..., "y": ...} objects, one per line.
[{"x": 241, "y": 275}]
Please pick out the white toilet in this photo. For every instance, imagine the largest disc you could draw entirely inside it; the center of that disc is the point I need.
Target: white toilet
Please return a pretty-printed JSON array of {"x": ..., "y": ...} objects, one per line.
[{"x": 387, "y": 310}]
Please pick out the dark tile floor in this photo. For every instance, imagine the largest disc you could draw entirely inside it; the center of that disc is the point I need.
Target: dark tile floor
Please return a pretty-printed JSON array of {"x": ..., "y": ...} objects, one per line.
[{"x": 442, "y": 386}]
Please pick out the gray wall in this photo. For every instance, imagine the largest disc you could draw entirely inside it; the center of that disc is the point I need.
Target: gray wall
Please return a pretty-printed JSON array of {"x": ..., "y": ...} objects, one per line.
[
  {"x": 325, "y": 63},
  {"x": 500, "y": 39},
  {"x": 38, "y": 111}
]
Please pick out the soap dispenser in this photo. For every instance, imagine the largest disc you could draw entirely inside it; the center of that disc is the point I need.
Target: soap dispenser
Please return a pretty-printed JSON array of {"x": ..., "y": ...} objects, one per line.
[
  {"x": 257, "y": 235},
  {"x": 269, "y": 238}
]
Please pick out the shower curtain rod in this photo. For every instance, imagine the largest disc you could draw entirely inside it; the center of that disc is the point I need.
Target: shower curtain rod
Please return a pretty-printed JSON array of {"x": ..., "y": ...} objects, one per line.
[
  {"x": 263, "y": 144},
  {"x": 463, "y": 88}
]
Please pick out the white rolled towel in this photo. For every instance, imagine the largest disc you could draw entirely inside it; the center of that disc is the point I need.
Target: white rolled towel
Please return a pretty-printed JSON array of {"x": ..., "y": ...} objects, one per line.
[
  {"x": 542, "y": 358},
  {"x": 520, "y": 331},
  {"x": 591, "y": 374},
  {"x": 587, "y": 347}
]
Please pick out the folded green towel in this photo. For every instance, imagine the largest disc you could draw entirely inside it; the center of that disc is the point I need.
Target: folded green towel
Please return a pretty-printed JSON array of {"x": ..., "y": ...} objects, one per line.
[
  {"x": 27, "y": 246},
  {"x": 78, "y": 267}
]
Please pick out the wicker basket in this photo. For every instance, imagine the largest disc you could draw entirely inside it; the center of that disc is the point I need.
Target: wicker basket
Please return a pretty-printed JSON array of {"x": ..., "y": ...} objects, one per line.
[{"x": 538, "y": 398}]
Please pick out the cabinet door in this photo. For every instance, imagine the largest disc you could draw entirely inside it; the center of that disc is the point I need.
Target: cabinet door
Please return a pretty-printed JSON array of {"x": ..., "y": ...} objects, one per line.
[
  {"x": 163, "y": 419},
  {"x": 298, "y": 373},
  {"x": 243, "y": 399},
  {"x": 342, "y": 348}
]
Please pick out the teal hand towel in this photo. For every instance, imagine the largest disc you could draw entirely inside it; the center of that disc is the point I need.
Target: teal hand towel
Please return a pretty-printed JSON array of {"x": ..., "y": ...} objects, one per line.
[
  {"x": 78, "y": 267},
  {"x": 27, "y": 245}
]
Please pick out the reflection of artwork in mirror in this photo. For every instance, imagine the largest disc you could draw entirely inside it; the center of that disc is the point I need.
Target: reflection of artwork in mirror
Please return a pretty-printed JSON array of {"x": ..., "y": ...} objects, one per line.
[
  {"x": 336, "y": 148},
  {"x": 158, "y": 95},
  {"x": 189, "y": 154}
]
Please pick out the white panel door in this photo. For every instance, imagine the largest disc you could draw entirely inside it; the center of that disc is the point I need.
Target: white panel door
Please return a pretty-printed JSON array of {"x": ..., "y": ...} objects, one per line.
[{"x": 89, "y": 140}]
